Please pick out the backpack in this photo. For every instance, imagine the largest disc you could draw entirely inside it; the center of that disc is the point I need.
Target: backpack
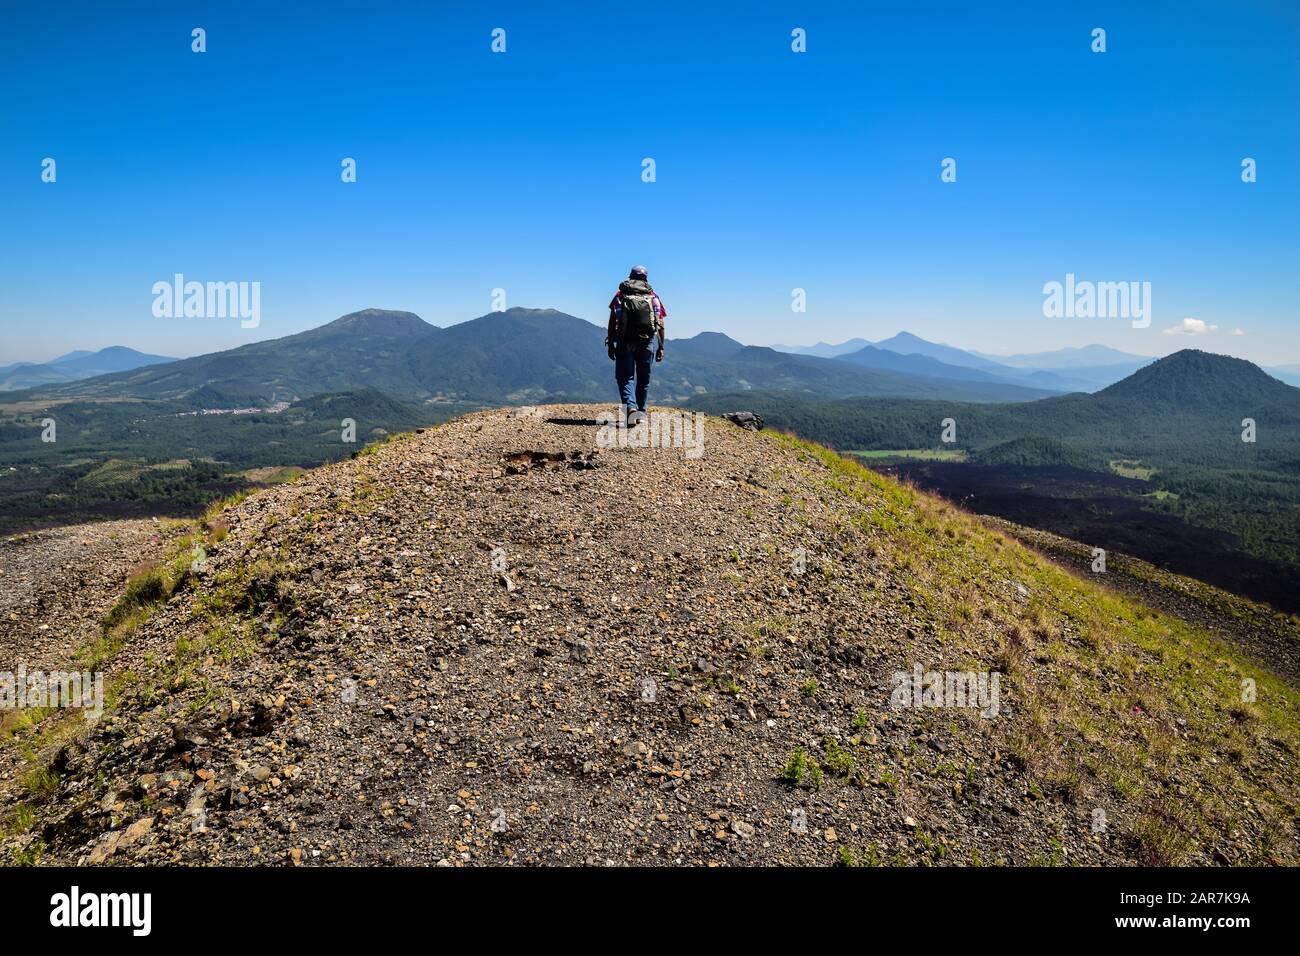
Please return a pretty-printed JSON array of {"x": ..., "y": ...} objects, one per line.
[{"x": 638, "y": 322}]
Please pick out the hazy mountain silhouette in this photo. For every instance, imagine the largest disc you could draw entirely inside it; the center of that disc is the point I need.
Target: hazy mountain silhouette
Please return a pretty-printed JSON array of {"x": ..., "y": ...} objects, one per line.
[
  {"x": 519, "y": 355},
  {"x": 75, "y": 366}
]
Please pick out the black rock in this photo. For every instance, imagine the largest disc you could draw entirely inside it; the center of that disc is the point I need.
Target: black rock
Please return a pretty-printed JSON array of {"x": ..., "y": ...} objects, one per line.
[{"x": 750, "y": 420}]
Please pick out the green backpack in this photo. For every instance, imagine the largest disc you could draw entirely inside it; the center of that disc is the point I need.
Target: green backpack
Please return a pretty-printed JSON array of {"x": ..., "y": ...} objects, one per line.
[{"x": 639, "y": 323}]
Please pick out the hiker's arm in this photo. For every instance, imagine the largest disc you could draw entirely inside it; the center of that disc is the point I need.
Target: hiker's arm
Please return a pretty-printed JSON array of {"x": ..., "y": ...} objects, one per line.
[
  {"x": 609, "y": 333},
  {"x": 659, "y": 355}
]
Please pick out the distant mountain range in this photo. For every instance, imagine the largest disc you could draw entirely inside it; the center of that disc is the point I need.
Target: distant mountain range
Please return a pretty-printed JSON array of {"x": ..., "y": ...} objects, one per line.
[
  {"x": 75, "y": 366},
  {"x": 519, "y": 355},
  {"x": 1045, "y": 374},
  {"x": 1086, "y": 369},
  {"x": 1087, "y": 356},
  {"x": 824, "y": 349},
  {"x": 536, "y": 355},
  {"x": 1066, "y": 370}
]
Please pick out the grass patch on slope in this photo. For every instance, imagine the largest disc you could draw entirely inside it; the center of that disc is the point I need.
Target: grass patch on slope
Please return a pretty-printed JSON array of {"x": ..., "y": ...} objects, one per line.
[
  {"x": 40, "y": 734},
  {"x": 1114, "y": 705}
]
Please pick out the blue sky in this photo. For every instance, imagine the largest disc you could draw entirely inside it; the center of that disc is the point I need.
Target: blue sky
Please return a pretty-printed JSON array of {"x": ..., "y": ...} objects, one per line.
[{"x": 775, "y": 170}]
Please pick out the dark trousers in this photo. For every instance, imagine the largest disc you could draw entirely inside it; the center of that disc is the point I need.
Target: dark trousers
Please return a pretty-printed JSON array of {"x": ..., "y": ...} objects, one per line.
[{"x": 632, "y": 362}]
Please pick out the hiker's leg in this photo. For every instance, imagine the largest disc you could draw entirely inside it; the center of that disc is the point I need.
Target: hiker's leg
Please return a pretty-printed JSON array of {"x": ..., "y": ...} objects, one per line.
[
  {"x": 643, "y": 358},
  {"x": 624, "y": 373}
]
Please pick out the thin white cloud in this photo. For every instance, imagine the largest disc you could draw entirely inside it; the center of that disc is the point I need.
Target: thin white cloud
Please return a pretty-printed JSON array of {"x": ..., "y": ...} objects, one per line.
[
  {"x": 1238, "y": 331},
  {"x": 1190, "y": 327}
]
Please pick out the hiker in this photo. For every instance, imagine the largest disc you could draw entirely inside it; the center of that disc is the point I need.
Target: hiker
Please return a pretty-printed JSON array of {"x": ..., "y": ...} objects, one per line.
[{"x": 636, "y": 316}]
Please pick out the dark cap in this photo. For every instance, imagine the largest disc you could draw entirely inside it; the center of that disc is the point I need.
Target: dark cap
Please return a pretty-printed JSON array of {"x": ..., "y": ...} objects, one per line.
[{"x": 638, "y": 272}]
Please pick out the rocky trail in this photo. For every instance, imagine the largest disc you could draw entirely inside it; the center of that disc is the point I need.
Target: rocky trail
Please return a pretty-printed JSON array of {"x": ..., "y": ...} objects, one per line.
[{"x": 506, "y": 641}]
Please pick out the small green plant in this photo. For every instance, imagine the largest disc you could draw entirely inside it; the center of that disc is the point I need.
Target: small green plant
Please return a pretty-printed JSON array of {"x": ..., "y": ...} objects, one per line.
[
  {"x": 860, "y": 720},
  {"x": 802, "y": 768},
  {"x": 30, "y": 855},
  {"x": 796, "y": 767},
  {"x": 41, "y": 782},
  {"x": 809, "y": 689},
  {"x": 1056, "y": 858},
  {"x": 815, "y": 775},
  {"x": 24, "y": 818},
  {"x": 838, "y": 760}
]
